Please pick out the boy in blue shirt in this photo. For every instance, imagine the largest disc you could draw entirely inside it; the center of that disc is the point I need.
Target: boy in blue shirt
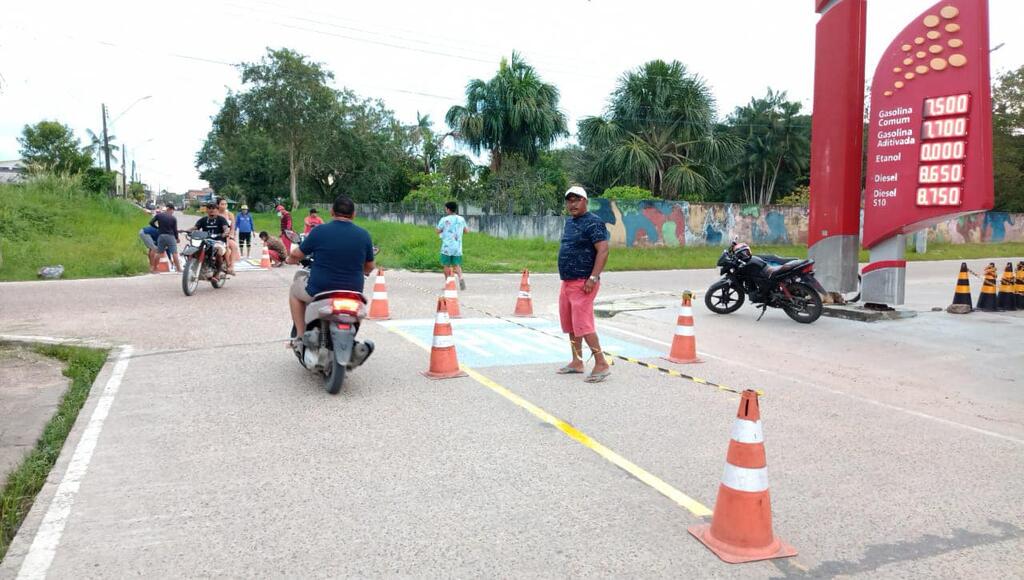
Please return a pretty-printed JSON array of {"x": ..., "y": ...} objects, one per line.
[{"x": 451, "y": 228}]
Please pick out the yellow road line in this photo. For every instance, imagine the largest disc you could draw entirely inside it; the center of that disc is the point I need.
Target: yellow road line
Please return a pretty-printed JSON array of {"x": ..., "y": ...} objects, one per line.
[{"x": 695, "y": 507}]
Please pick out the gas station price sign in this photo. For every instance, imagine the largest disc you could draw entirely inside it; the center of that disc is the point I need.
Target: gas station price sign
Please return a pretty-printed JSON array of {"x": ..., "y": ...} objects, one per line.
[{"x": 930, "y": 133}]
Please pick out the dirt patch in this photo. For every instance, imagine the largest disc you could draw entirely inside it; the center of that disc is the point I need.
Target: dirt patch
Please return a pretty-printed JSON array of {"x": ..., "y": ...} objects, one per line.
[{"x": 31, "y": 387}]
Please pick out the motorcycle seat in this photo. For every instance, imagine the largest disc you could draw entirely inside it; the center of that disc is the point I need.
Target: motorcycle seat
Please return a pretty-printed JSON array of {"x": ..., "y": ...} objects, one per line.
[{"x": 776, "y": 271}]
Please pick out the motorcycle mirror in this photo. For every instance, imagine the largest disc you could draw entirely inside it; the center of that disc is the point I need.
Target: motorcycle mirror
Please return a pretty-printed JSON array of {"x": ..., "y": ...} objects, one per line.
[
  {"x": 376, "y": 250},
  {"x": 294, "y": 237}
]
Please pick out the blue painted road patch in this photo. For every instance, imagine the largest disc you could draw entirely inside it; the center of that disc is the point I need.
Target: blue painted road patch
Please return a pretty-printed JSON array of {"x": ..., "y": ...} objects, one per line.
[{"x": 488, "y": 342}]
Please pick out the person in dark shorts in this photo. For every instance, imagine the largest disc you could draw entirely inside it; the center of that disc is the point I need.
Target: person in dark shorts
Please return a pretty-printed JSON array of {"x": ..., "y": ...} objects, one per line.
[
  {"x": 167, "y": 242},
  {"x": 216, "y": 226},
  {"x": 245, "y": 227},
  {"x": 149, "y": 235}
]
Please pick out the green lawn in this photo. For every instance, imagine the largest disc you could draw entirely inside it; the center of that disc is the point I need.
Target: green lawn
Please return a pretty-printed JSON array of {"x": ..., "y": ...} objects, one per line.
[
  {"x": 52, "y": 221},
  {"x": 22, "y": 485}
]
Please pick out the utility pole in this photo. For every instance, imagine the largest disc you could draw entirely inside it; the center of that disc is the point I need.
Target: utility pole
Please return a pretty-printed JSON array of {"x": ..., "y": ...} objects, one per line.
[
  {"x": 106, "y": 140},
  {"x": 124, "y": 176}
]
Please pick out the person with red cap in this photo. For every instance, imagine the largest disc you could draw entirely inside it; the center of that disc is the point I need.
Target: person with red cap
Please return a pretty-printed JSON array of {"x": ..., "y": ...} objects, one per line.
[{"x": 286, "y": 226}]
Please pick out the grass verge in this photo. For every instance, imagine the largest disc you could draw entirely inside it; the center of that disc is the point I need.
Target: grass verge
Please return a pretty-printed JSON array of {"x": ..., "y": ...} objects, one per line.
[
  {"x": 52, "y": 220},
  {"x": 18, "y": 493}
]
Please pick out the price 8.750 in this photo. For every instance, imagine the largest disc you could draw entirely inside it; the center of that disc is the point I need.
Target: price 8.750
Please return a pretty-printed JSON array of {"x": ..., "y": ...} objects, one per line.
[{"x": 939, "y": 196}]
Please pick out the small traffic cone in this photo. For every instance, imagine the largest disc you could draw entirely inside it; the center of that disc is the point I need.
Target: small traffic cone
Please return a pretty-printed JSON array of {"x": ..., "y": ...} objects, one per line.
[
  {"x": 1007, "y": 299},
  {"x": 379, "y": 304},
  {"x": 444, "y": 363},
  {"x": 265, "y": 259},
  {"x": 451, "y": 296},
  {"x": 962, "y": 295},
  {"x": 987, "y": 300},
  {"x": 524, "y": 304},
  {"x": 1020, "y": 285},
  {"x": 684, "y": 343},
  {"x": 741, "y": 526},
  {"x": 164, "y": 265}
]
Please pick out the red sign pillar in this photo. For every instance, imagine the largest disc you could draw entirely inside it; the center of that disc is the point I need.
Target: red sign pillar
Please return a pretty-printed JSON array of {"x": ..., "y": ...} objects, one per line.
[{"x": 837, "y": 141}]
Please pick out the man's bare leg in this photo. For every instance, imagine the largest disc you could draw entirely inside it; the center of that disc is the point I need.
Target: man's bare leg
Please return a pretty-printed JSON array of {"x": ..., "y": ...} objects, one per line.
[
  {"x": 600, "y": 364},
  {"x": 576, "y": 344},
  {"x": 298, "y": 309},
  {"x": 177, "y": 261}
]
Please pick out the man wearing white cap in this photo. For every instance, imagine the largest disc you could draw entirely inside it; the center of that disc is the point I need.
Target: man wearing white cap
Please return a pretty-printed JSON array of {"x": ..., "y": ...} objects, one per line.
[{"x": 581, "y": 258}]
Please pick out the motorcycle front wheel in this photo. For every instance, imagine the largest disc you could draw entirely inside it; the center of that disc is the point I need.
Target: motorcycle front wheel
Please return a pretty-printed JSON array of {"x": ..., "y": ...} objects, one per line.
[
  {"x": 335, "y": 376},
  {"x": 190, "y": 276},
  {"x": 805, "y": 306},
  {"x": 219, "y": 280},
  {"x": 724, "y": 298}
]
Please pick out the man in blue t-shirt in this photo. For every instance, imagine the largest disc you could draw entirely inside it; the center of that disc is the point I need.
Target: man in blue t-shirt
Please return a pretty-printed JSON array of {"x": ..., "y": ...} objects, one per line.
[
  {"x": 342, "y": 255},
  {"x": 581, "y": 258}
]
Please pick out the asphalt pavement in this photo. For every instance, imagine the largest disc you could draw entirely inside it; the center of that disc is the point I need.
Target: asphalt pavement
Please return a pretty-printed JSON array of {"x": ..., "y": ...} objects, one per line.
[{"x": 894, "y": 448}]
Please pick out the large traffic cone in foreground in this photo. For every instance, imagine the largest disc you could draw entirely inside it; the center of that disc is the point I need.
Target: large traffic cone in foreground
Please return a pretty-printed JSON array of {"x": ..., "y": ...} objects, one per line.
[
  {"x": 684, "y": 343},
  {"x": 444, "y": 363},
  {"x": 741, "y": 526},
  {"x": 1020, "y": 285},
  {"x": 1007, "y": 299},
  {"x": 265, "y": 259},
  {"x": 962, "y": 295},
  {"x": 164, "y": 265},
  {"x": 987, "y": 300},
  {"x": 524, "y": 304},
  {"x": 451, "y": 296},
  {"x": 379, "y": 304}
]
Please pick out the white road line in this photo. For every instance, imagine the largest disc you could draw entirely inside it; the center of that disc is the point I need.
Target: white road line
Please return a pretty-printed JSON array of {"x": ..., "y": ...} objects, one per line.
[
  {"x": 889, "y": 406},
  {"x": 44, "y": 546}
]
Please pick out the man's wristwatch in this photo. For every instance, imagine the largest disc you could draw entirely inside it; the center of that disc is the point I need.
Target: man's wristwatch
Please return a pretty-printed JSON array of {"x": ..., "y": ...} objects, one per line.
[{"x": 594, "y": 279}]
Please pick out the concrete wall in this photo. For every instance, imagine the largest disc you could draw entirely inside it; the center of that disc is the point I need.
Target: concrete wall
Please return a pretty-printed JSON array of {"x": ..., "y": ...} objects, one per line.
[{"x": 680, "y": 224}]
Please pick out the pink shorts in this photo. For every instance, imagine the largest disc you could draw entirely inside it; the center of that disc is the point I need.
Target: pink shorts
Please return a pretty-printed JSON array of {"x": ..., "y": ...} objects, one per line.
[{"x": 576, "y": 308}]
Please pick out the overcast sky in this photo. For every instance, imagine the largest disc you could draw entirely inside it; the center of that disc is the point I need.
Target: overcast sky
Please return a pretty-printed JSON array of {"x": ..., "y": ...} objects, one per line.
[{"x": 61, "y": 60}]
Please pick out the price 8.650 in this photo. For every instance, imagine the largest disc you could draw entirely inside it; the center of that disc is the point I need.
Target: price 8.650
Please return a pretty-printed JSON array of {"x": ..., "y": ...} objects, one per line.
[{"x": 943, "y": 173}]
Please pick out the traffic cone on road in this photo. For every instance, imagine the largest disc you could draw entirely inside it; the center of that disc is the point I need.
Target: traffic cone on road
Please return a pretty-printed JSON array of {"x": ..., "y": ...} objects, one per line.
[
  {"x": 164, "y": 265},
  {"x": 962, "y": 295},
  {"x": 1020, "y": 285},
  {"x": 524, "y": 304},
  {"x": 379, "y": 304},
  {"x": 265, "y": 259},
  {"x": 451, "y": 296},
  {"x": 444, "y": 363},
  {"x": 684, "y": 343},
  {"x": 987, "y": 300},
  {"x": 741, "y": 526},
  {"x": 1007, "y": 299}
]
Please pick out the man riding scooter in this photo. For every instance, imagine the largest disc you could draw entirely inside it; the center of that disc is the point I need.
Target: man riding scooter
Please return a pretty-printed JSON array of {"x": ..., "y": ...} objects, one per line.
[{"x": 342, "y": 255}]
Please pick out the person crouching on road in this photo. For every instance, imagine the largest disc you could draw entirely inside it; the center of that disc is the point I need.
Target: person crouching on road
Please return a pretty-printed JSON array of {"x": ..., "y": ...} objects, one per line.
[
  {"x": 245, "y": 227},
  {"x": 275, "y": 249},
  {"x": 581, "y": 259},
  {"x": 149, "y": 236}
]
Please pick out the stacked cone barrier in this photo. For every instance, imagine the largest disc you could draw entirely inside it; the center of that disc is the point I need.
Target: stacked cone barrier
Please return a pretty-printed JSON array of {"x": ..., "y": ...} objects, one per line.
[
  {"x": 451, "y": 297},
  {"x": 524, "y": 303},
  {"x": 684, "y": 343},
  {"x": 444, "y": 362},
  {"x": 962, "y": 294},
  {"x": 1020, "y": 285},
  {"x": 379, "y": 308},
  {"x": 1007, "y": 298},
  {"x": 741, "y": 525},
  {"x": 265, "y": 259},
  {"x": 987, "y": 299}
]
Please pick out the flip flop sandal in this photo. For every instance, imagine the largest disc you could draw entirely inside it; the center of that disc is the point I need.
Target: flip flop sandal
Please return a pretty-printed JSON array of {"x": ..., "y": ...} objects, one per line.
[
  {"x": 597, "y": 377},
  {"x": 568, "y": 370}
]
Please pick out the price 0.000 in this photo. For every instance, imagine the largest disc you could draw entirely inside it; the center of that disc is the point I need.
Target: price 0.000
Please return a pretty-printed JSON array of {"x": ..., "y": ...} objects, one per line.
[
  {"x": 946, "y": 173},
  {"x": 945, "y": 128},
  {"x": 939, "y": 196},
  {"x": 951, "y": 105},
  {"x": 944, "y": 151}
]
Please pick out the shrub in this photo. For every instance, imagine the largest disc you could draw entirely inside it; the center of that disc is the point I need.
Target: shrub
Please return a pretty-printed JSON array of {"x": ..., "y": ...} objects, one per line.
[{"x": 627, "y": 193}]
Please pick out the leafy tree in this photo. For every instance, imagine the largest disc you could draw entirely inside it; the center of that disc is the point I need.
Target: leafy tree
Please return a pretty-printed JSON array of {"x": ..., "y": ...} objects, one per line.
[
  {"x": 799, "y": 196},
  {"x": 627, "y": 193},
  {"x": 98, "y": 180},
  {"x": 514, "y": 113},
  {"x": 776, "y": 142},
  {"x": 459, "y": 170},
  {"x": 51, "y": 146},
  {"x": 287, "y": 97},
  {"x": 658, "y": 132},
  {"x": 137, "y": 191},
  {"x": 1008, "y": 140},
  {"x": 426, "y": 142},
  {"x": 433, "y": 188}
]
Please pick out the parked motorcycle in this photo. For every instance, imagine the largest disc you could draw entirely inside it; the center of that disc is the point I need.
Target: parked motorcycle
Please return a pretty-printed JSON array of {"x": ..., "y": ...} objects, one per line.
[
  {"x": 201, "y": 263},
  {"x": 790, "y": 285},
  {"x": 329, "y": 346}
]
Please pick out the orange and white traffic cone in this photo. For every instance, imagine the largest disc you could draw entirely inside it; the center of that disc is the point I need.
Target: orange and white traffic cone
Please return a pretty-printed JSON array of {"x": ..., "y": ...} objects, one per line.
[
  {"x": 741, "y": 526},
  {"x": 164, "y": 265},
  {"x": 451, "y": 296},
  {"x": 444, "y": 362},
  {"x": 684, "y": 343},
  {"x": 524, "y": 304},
  {"x": 265, "y": 259},
  {"x": 379, "y": 304}
]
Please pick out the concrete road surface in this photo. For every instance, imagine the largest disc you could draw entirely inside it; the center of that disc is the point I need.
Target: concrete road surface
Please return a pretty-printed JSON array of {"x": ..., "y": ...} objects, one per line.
[{"x": 894, "y": 449}]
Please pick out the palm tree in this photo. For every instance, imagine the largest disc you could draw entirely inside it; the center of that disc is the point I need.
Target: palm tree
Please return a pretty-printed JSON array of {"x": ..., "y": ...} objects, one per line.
[
  {"x": 513, "y": 113},
  {"x": 776, "y": 138},
  {"x": 423, "y": 137},
  {"x": 659, "y": 133},
  {"x": 95, "y": 147}
]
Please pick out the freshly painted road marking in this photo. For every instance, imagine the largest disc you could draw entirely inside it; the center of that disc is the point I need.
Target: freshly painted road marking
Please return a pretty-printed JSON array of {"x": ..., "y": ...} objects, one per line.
[
  {"x": 484, "y": 342},
  {"x": 44, "y": 547},
  {"x": 693, "y": 506}
]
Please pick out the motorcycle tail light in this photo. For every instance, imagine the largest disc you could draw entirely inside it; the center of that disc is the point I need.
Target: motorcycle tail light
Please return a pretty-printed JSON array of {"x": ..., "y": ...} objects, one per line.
[
  {"x": 343, "y": 326},
  {"x": 808, "y": 269},
  {"x": 345, "y": 305}
]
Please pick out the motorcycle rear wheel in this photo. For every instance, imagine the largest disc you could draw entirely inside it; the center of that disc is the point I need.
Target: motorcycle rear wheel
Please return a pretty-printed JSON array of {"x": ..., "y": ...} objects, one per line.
[
  {"x": 806, "y": 306},
  {"x": 724, "y": 298},
  {"x": 190, "y": 276},
  {"x": 336, "y": 376}
]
